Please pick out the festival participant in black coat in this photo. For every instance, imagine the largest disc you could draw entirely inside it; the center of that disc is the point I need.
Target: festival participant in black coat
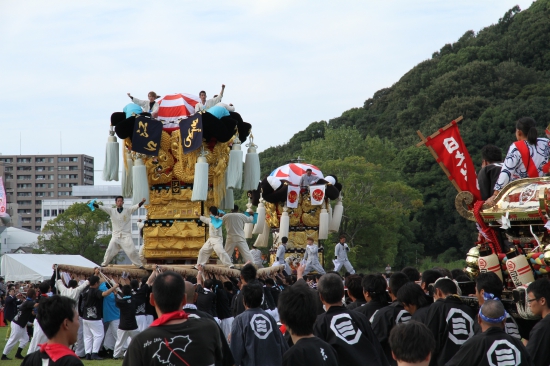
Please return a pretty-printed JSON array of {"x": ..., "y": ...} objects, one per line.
[
  {"x": 206, "y": 300},
  {"x": 297, "y": 307},
  {"x": 538, "y": 293},
  {"x": 58, "y": 320},
  {"x": 450, "y": 320},
  {"x": 255, "y": 337},
  {"x": 19, "y": 326},
  {"x": 492, "y": 346},
  {"x": 429, "y": 277},
  {"x": 386, "y": 318},
  {"x": 191, "y": 309},
  {"x": 414, "y": 301},
  {"x": 172, "y": 339},
  {"x": 139, "y": 299},
  {"x": 411, "y": 343},
  {"x": 489, "y": 286},
  {"x": 347, "y": 331},
  {"x": 374, "y": 291},
  {"x": 92, "y": 314},
  {"x": 491, "y": 165},
  {"x": 248, "y": 275},
  {"x": 10, "y": 308},
  {"x": 355, "y": 291},
  {"x": 128, "y": 326}
]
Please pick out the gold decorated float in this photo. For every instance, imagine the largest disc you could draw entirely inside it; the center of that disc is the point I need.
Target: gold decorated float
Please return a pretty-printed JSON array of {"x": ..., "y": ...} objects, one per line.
[{"x": 514, "y": 238}]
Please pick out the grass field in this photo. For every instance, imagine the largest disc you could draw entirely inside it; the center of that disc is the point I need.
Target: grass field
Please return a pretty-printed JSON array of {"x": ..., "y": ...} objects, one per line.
[{"x": 15, "y": 362}]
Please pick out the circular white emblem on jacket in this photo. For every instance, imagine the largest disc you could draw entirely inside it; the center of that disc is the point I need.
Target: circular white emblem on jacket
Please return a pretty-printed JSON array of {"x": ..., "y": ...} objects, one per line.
[
  {"x": 344, "y": 328},
  {"x": 503, "y": 353},
  {"x": 261, "y": 326},
  {"x": 461, "y": 326}
]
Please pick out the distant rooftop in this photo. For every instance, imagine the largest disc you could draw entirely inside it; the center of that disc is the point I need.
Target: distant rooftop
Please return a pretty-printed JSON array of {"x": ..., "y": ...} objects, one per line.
[{"x": 97, "y": 191}]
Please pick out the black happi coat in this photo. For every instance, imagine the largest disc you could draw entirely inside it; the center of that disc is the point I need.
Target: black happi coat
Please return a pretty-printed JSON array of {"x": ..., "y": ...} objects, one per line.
[
  {"x": 452, "y": 324},
  {"x": 384, "y": 320},
  {"x": 194, "y": 342},
  {"x": 370, "y": 308},
  {"x": 492, "y": 347},
  {"x": 24, "y": 315},
  {"x": 539, "y": 342},
  {"x": 350, "y": 334}
]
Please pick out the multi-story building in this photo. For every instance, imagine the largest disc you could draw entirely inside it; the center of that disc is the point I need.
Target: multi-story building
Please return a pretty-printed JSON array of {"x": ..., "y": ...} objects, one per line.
[{"x": 30, "y": 179}]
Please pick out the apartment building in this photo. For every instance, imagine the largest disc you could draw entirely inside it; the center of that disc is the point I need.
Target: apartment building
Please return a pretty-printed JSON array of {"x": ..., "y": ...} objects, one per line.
[{"x": 30, "y": 179}]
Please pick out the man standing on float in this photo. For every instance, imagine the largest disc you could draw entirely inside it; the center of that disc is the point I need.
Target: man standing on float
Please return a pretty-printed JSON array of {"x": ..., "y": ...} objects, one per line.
[
  {"x": 234, "y": 226},
  {"x": 122, "y": 234}
]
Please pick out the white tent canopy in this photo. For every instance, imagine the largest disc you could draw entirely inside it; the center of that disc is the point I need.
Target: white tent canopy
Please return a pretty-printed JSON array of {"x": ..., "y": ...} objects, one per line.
[{"x": 37, "y": 267}]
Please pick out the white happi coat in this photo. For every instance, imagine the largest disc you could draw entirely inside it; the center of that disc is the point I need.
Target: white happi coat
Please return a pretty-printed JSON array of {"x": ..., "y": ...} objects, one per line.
[
  {"x": 121, "y": 235},
  {"x": 214, "y": 243},
  {"x": 234, "y": 225},
  {"x": 312, "y": 260}
]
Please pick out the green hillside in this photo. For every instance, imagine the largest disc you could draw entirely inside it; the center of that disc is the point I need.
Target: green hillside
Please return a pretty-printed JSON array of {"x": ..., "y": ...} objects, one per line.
[{"x": 492, "y": 78}]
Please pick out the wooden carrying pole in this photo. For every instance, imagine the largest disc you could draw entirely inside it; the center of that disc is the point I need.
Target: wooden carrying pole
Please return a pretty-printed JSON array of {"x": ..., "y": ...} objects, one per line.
[{"x": 434, "y": 154}]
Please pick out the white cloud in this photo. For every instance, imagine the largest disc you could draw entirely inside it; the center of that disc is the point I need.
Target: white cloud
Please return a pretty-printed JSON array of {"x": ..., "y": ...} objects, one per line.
[{"x": 67, "y": 65}]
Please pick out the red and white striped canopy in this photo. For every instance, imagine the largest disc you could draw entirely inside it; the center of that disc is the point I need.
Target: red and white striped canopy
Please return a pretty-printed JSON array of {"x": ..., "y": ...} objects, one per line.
[
  {"x": 294, "y": 171},
  {"x": 174, "y": 107}
]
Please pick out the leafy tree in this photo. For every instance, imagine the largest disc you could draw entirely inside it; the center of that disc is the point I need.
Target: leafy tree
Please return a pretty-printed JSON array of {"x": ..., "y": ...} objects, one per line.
[
  {"x": 75, "y": 231},
  {"x": 491, "y": 77}
]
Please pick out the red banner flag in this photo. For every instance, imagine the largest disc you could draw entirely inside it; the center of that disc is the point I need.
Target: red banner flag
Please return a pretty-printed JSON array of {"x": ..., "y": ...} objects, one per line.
[{"x": 452, "y": 152}]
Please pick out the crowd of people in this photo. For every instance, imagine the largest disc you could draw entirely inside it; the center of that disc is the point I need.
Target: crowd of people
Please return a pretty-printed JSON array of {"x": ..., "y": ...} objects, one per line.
[{"x": 406, "y": 318}]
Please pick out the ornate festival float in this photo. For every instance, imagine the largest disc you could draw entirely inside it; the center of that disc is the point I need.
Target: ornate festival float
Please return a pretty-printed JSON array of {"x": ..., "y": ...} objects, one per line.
[
  {"x": 296, "y": 212},
  {"x": 514, "y": 239},
  {"x": 182, "y": 163}
]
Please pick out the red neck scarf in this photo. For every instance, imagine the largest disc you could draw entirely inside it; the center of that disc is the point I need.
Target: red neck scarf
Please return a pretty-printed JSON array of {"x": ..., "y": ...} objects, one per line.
[
  {"x": 55, "y": 351},
  {"x": 165, "y": 318}
]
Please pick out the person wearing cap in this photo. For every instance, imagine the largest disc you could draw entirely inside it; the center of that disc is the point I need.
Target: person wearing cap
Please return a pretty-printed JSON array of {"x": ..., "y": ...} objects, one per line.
[
  {"x": 492, "y": 346},
  {"x": 150, "y": 105},
  {"x": 205, "y": 104},
  {"x": 280, "y": 256},
  {"x": 307, "y": 179},
  {"x": 256, "y": 256}
]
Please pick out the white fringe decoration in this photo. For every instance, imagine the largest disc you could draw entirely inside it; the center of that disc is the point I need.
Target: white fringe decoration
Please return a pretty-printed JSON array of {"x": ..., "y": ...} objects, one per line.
[
  {"x": 285, "y": 223},
  {"x": 127, "y": 187},
  {"x": 263, "y": 239},
  {"x": 251, "y": 167},
  {"x": 200, "y": 183},
  {"x": 139, "y": 181},
  {"x": 259, "y": 227},
  {"x": 323, "y": 224},
  {"x": 248, "y": 227},
  {"x": 110, "y": 168},
  {"x": 235, "y": 165},
  {"x": 229, "y": 199},
  {"x": 336, "y": 216}
]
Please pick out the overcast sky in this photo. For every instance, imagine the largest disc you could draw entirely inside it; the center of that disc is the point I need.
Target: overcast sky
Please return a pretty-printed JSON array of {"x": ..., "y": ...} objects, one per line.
[{"x": 65, "y": 66}]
